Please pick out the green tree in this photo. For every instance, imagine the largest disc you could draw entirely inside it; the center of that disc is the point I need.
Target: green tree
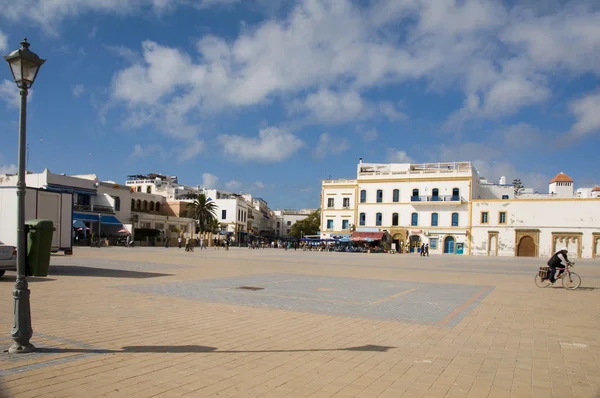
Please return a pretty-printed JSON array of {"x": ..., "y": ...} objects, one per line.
[
  {"x": 309, "y": 226},
  {"x": 203, "y": 210},
  {"x": 213, "y": 225}
]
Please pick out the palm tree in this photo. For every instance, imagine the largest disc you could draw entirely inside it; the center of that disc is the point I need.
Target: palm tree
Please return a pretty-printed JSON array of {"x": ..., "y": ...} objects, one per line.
[
  {"x": 212, "y": 225},
  {"x": 203, "y": 210}
]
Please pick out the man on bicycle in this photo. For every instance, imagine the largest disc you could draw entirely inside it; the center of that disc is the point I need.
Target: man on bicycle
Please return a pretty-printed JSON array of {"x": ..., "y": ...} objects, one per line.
[{"x": 558, "y": 261}]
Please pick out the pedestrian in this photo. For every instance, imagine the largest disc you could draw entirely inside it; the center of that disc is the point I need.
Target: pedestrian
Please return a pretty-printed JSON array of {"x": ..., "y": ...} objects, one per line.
[
  {"x": 423, "y": 249},
  {"x": 166, "y": 242},
  {"x": 202, "y": 243},
  {"x": 226, "y": 244},
  {"x": 179, "y": 241},
  {"x": 427, "y": 249},
  {"x": 187, "y": 244}
]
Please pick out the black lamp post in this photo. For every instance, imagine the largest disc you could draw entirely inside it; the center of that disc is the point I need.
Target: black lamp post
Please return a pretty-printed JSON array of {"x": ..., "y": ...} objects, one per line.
[{"x": 24, "y": 65}]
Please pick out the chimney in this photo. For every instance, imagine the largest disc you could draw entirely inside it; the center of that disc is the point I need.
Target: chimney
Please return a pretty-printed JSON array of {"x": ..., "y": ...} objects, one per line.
[{"x": 360, "y": 161}]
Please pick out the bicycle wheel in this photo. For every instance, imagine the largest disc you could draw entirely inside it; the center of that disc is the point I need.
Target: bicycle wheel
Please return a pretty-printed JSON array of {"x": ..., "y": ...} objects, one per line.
[
  {"x": 541, "y": 283},
  {"x": 572, "y": 281}
]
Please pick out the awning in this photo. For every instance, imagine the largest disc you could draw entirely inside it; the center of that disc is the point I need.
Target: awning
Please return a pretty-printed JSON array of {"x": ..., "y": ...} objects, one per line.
[
  {"x": 85, "y": 217},
  {"x": 108, "y": 219},
  {"x": 78, "y": 224},
  {"x": 367, "y": 236},
  {"x": 61, "y": 189}
]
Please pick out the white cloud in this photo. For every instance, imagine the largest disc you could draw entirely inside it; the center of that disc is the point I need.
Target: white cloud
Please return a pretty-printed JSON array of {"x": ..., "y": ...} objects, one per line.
[
  {"x": 237, "y": 186},
  {"x": 491, "y": 163},
  {"x": 272, "y": 145},
  {"x": 9, "y": 93},
  {"x": 369, "y": 135},
  {"x": 567, "y": 39},
  {"x": 216, "y": 3},
  {"x": 3, "y": 41},
  {"x": 501, "y": 58},
  {"x": 48, "y": 14},
  {"x": 124, "y": 52},
  {"x": 166, "y": 69},
  {"x": 396, "y": 156},
  {"x": 191, "y": 150},
  {"x": 333, "y": 107},
  {"x": 328, "y": 145},
  {"x": 233, "y": 185},
  {"x": 6, "y": 168},
  {"x": 494, "y": 169},
  {"x": 522, "y": 135},
  {"x": 78, "y": 89},
  {"x": 390, "y": 111},
  {"x": 503, "y": 97},
  {"x": 587, "y": 114},
  {"x": 209, "y": 180},
  {"x": 143, "y": 151}
]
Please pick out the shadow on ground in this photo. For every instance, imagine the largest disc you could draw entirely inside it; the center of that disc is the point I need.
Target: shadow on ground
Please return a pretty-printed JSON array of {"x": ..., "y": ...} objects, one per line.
[
  {"x": 76, "y": 270},
  {"x": 12, "y": 278},
  {"x": 196, "y": 348}
]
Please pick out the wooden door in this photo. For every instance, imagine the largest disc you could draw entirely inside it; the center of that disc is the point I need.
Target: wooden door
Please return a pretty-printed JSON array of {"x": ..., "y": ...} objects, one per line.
[{"x": 526, "y": 247}]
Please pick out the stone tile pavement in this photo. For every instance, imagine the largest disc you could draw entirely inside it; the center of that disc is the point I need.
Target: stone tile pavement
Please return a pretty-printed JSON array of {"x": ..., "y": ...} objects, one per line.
[{"x": 147, "y": 322}]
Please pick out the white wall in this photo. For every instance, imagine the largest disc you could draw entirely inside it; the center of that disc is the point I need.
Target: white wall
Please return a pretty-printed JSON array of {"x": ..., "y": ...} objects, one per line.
[
  {"x": 406, "y": 189},
  {"x": 561, "y": 189},
  {"x": 337, "y": 213},
  {"x": 551, "y": 215}
]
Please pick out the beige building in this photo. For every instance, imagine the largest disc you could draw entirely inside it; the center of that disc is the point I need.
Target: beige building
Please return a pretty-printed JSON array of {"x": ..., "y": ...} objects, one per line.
[{"x": 455, "y": 211}]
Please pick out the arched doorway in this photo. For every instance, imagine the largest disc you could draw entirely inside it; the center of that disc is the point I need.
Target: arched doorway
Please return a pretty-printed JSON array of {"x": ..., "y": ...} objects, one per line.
[
  {"x": 526, "y": 247},
  {"x": 449, "y": 244},
  {"x": 398, "y": 239},
  {"x": 415, "y": 243}
]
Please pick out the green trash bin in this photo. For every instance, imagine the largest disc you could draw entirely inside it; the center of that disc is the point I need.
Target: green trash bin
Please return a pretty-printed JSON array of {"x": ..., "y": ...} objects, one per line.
[{"x": 39, "y": 246}]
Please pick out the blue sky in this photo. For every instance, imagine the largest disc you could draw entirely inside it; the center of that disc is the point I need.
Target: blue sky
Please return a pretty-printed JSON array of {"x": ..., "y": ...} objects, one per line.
[{"x": 271, "y": 97}]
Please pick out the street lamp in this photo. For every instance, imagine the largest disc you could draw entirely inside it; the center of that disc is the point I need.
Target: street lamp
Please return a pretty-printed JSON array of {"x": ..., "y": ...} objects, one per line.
[{"x": 24, "y": 66}]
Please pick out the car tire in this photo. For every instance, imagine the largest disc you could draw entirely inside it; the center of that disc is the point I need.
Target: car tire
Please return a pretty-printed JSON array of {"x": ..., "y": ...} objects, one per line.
[{"x": 2, "y": 272}]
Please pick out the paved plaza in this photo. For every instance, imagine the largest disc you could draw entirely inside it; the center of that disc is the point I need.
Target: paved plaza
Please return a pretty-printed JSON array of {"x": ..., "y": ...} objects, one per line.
[{"x": 156, "y": 322}]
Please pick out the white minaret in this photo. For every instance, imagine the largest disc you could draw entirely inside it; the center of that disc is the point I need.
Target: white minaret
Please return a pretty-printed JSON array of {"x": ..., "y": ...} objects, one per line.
[{"x": 561, "y": 186}]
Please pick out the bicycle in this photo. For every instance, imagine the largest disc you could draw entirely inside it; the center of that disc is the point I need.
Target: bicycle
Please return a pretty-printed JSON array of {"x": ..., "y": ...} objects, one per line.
[{"x": 570, "y": 280}]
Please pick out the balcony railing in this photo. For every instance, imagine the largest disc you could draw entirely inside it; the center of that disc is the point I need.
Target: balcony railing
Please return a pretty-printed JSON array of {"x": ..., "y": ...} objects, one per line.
[
  {"x": 94, "y": 208},
  {"x": 436, "y": 198}
]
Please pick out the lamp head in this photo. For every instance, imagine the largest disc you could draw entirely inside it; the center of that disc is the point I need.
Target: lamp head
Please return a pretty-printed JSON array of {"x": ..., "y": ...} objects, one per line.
[{"x": 24, "y": 65}]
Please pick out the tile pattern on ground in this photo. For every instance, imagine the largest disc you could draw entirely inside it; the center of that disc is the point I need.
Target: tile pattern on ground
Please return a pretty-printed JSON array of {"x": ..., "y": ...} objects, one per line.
[{"x": 426, "y": 303}]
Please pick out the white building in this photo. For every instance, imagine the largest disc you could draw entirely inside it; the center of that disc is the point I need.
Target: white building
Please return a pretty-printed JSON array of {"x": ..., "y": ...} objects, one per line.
[
  {"x": 232, "y": 213},
  {"x": 106, "y": 207},
  {"x": 286, "y": 218},
  {"x": 265, "y": 220},
  {"x": 239, "y": 215},
  {"x": 454, "y": 210},
  {"x": 166, "y": 186},
  {"x": 588, "y": 192}
]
